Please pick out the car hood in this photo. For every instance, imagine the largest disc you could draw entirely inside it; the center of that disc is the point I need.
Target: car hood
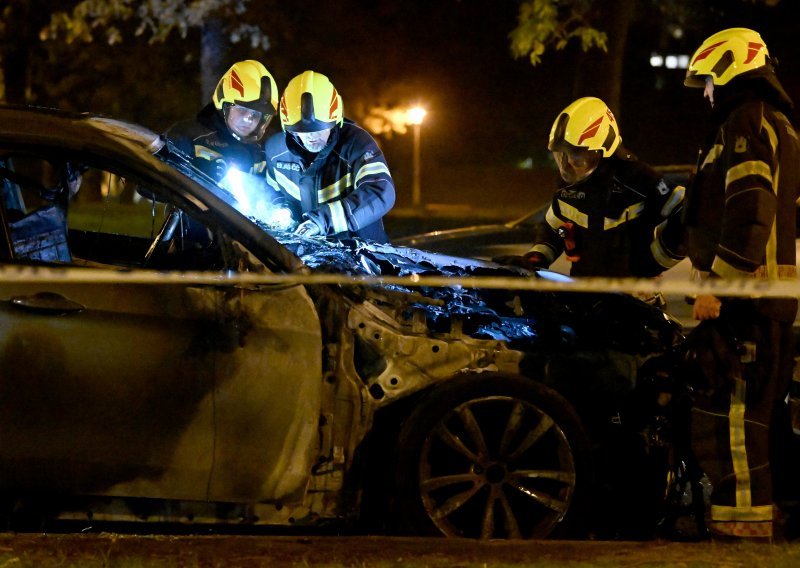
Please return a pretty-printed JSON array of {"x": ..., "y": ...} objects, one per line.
[{"x": 525, "y": 318}]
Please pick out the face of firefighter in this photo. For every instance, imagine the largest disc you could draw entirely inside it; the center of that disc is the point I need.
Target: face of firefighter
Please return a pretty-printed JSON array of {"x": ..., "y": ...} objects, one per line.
[
  {"x": 576, "y": 164},
  {"x": 243, "y": 121},
  {"x": 709, "y": 90},
  {"x": 314, "y": 141}
]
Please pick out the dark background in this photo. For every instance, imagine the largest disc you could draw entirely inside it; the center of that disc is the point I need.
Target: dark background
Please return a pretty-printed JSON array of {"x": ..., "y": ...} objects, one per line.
[{"x": 488, "y": 113}]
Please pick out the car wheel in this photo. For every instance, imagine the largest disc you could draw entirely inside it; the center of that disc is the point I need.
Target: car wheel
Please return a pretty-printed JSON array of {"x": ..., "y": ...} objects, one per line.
[{"x": 490, "y": 456}]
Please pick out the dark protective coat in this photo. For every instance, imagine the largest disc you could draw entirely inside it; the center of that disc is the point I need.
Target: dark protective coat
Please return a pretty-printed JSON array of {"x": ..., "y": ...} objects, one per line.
[
  {"x": 346, "y": 188},
  {"x": 213, "y": 149},
  {"x": 623, "y": 220},
  {"x": 740, "y": 217}
]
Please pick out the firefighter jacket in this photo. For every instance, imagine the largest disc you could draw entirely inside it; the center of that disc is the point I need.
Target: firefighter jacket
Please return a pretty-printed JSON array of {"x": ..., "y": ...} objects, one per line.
[
  {"x": 740, "y": 209},
  {"x": 212, "y": 147},
  {"x": 623, "y": 220},
  {"x": 346, "y": 188}
]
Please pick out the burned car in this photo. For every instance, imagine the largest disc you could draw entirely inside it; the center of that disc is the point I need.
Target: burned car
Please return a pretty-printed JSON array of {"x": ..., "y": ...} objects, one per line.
[{"x": 133, "y": 392}]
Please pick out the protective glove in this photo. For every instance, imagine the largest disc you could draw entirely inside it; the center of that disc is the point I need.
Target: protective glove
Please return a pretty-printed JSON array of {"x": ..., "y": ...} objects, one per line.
[
  {"x": 308, "y": 228},
  {"x": 529, "y": 261}
]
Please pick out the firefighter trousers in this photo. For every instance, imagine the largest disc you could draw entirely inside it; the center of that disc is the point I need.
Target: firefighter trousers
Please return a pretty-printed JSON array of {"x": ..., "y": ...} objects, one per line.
[{"x": 740, "y": 366}]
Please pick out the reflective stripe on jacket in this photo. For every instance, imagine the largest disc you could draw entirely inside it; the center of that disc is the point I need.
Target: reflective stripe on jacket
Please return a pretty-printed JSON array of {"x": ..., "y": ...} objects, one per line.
[
  {"x": 740, "y": 211},
  {"x": 623, "y": 219},
  {"x": 346, "y": 188}
]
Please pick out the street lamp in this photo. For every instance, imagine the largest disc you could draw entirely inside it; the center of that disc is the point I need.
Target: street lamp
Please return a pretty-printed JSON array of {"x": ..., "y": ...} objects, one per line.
[{"x": 414, "y": 117}]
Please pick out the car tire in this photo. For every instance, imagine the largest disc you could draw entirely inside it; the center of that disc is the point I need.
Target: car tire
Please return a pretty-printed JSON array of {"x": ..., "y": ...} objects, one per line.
[{"x": 491, "y": 456}]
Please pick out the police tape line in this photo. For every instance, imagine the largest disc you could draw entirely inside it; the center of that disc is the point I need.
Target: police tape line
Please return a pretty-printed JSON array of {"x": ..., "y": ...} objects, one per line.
[{"x": 550, "y": 283}]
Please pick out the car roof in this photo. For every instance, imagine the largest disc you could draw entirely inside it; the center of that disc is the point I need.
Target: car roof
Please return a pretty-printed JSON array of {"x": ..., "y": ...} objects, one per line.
[
  {"x": 75, "y": 130},
  {"x": 132, "y": 144}
]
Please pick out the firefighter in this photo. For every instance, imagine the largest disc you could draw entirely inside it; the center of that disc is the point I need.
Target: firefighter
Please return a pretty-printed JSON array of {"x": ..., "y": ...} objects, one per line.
[
  {"x": 613, "y": 215},
  {"x": 327, "y": 170},
  {"x": 740, "y": 223},
  {"x": 230, "y": 130}
]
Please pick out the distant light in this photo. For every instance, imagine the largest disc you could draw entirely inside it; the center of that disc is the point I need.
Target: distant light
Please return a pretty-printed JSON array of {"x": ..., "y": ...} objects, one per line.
[
  {"x": 656, "y": 60},
  {"x": 677, "y": 32},
  {"x": 415, "y": 115},
  {"x": 683, "y": 61},
  {"x": 671, "y": 62},
  {"x": 526, "y": 164}
]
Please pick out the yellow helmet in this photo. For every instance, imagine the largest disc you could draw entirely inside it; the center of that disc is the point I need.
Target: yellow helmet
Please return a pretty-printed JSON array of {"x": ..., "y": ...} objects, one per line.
[
  {"x": 248, "y": 84},
  {"x": 725, "y": 55},
  {"x": 310, "y": 103},
  {"x": 586, "y": 123}
]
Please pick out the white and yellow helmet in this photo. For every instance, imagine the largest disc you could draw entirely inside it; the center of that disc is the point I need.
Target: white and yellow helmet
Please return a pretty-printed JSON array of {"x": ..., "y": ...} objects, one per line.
[
  {"x": 725, "y": 55},
  {"x": 586, "y": 123}
]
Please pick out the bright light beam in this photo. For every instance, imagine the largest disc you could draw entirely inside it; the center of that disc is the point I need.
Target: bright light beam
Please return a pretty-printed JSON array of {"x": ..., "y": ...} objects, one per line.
[{"x": 252, "y": 199}]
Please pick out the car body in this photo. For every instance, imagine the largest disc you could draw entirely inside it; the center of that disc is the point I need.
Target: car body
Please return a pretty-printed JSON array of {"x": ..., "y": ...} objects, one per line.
[{"x": 449, "y": 410}]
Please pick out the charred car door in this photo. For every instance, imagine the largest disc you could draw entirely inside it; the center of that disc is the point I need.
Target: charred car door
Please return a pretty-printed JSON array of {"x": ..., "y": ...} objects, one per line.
[{"x": 160, "y": 390}]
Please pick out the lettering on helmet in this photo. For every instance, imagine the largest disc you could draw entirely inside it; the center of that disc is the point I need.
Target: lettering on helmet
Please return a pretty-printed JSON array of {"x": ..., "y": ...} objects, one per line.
[
  {"x": 236, "y": 83},
  {"x": 334, "y": 105},
  {"x": 706, "y": 52},
  {"x": 291, "y": 166},
  {"x": 753, "y": 47},
  {"x": 590, "y": 130}
]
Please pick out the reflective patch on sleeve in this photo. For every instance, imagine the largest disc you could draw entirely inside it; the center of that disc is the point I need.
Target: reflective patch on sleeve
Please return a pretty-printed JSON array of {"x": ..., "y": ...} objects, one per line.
[
  {"x": 725, "y": 270},
  {"x": 660, "y": 253},
  {"x": 712, "y": 155},
  {"x": 335, "y": 189},
  {"x": 207, "y": 153},
  {"x": 773, "y": 138},
  {"x": 750, "y": 168},
  {"x": 553, "y": 220},
  {"x": 288, "y": 185},
  {"x": 338, "y": 218},
  {"x": 272, "y": 183},
  {"x": 545, "y": 250},
  {"x": 674, "y": 200},
  {"x": 571, "y": 213},
  {"x": 371, "y": 169},
  {"x": 631, "y": 212}
]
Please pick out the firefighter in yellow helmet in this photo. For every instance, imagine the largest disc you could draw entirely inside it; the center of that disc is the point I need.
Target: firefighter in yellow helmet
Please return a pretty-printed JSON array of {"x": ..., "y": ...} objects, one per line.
[
  {"x": 327, "y": 170},
  {"x": 230, "y": 130},
  {"x": 613, "y": 214},
  {"x": 740, "y": 223}
]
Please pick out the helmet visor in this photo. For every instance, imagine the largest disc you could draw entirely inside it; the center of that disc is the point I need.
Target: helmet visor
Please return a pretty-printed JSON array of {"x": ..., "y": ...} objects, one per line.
[
  {"x": 575, "y": 164},
  {"x": 245, "y": 123}
]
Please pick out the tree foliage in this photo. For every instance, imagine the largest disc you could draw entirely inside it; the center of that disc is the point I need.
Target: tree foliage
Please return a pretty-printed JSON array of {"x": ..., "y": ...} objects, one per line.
[
  {"x": 155, "y": 18},
  {"x": 552, "y": 23}
]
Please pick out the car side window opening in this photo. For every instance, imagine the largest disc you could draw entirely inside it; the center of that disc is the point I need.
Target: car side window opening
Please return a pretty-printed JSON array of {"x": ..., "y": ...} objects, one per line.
[{"x": 65, "y": 211}]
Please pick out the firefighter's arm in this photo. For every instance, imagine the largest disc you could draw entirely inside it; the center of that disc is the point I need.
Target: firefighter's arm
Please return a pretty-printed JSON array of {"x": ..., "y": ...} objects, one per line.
[
  {"x": 372, "y": 197},
  {"x": 547, "y": 241},
  {"x": 750, "y": 201}
]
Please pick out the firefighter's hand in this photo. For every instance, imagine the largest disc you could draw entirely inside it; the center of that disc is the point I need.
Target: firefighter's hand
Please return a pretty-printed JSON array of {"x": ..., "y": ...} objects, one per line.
[
  {"x": 308, "y": 229},
  {"x": 529, "y": 261},
  {"x": 706, "y": 307}
]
